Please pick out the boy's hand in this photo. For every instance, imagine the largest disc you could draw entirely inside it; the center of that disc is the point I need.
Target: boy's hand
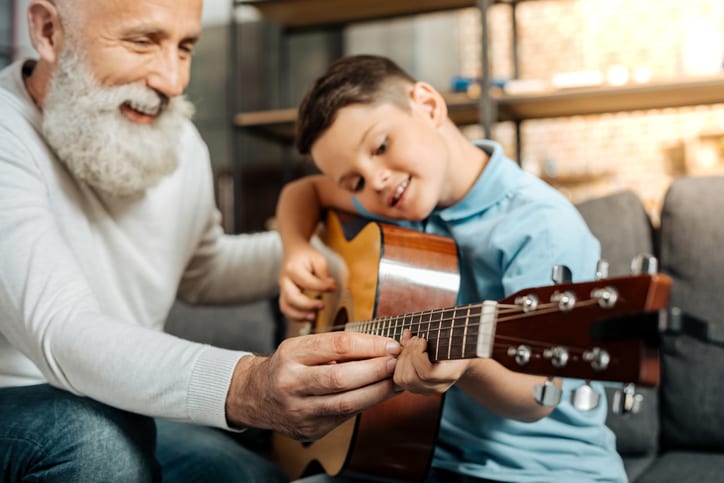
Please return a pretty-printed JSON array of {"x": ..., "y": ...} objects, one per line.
[
  {"x": 415, "y": 372},
  {"x": 304, "y": 271}
]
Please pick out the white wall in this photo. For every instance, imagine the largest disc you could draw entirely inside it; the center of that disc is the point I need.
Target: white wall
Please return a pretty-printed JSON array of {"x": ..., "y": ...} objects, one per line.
[
  {"x": 22, "y": 39},
  {"x": 216, "y": 12}
]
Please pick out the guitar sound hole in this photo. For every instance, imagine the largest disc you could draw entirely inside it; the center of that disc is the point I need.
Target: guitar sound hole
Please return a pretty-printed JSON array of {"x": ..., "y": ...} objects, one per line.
[{"x": 341, "y": 319}]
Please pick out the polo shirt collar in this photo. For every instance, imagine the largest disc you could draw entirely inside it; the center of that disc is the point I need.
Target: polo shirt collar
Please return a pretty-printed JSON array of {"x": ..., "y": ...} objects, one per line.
[{"x": 494, "y": 183}]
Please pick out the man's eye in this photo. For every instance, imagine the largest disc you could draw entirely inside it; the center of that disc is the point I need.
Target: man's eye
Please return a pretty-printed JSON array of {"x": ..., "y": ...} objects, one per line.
[
  {"x": 141, "y": 43},
  {"x": 381, "y": 148},
  {"x": 187, "y": 48}
]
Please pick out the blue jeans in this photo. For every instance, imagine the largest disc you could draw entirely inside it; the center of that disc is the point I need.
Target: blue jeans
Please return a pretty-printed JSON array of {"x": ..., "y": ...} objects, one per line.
[{"x": 47, "y": 434}]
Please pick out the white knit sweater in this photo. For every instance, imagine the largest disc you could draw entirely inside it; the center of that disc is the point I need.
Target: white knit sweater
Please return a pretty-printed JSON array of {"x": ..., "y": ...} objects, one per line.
[{"x": 87, "y": 280}]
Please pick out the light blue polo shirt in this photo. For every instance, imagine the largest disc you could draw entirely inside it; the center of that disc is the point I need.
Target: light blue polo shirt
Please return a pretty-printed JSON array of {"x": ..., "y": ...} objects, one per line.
[{"x": 510, "y": 229}]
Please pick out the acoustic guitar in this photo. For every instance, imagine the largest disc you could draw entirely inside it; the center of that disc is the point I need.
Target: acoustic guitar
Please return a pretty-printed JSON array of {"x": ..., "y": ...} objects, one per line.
[{"x": 391, "y": 279}]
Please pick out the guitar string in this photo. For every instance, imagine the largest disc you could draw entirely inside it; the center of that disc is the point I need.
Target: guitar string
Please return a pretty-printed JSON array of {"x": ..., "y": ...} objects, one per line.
[{"x": 382, "y": 324}]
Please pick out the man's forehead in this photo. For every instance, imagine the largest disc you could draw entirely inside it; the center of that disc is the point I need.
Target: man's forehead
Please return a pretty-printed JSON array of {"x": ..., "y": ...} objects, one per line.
[{"x": 187, "y": 11}]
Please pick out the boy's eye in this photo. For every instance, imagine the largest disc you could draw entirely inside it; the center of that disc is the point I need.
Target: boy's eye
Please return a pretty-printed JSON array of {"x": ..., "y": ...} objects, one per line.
[
  {"x": 358, "y": 184},
  {"x": 381, "y": 148},
  {"x": 354, "y": 185}
]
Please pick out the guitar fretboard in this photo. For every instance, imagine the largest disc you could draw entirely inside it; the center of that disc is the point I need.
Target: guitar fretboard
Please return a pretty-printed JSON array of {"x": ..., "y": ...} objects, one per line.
[{"x": 459, "y": 332}]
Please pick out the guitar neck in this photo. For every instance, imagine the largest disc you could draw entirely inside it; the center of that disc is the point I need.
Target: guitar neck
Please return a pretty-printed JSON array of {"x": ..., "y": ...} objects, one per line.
[
  {"x": 547, "y": 330},
  {"x": 460, "y": 332}
]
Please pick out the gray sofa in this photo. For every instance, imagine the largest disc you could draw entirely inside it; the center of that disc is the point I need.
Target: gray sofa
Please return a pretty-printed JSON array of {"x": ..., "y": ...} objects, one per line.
[{"x": 678, "y": 435}]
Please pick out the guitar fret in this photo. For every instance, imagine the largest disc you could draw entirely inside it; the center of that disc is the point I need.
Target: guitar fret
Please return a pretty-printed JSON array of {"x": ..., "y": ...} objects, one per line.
[
  {"x": 435, "y": 334},
  {"x": 408, "y": 321},
  {"x": 450, "y": 333},
  {"x": 429, "y": 320},
  {"x": 458, "y": 332},
  {"x": 473, "y": 328},
  {"x": 465, "y": 333}
]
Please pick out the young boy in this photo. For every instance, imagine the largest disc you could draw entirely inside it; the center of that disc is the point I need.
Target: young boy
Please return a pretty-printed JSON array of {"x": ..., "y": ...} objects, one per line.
[{"x": 388, "y": 150}]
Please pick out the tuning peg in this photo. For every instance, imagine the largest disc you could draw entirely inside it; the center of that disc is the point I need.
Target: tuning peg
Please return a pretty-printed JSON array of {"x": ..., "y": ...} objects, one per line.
[
  {"x": 627, "y": 401},
  {"x": 644, "y": 264},
  {"x": 561, "y": 274},
  {"x": 585, "y": 398},
  {"x": 527, "y": 303},
  {"x": 547, "y": 394},
  {"x": 601, "y": 269}
]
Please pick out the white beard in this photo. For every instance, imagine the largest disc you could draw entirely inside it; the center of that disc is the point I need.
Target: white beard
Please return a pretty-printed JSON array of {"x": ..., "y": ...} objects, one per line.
[{"x": 83, "y": 123}]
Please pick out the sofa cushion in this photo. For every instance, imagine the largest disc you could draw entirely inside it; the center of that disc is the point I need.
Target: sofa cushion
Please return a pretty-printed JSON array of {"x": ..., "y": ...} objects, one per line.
[
  {"x": 681, "y": 466},
  {"x": 692, "y": 242},
  {"x": 636, "y": 434},
  {"x": 252, "y": 327},
  {"x": 623, "y": 227}
]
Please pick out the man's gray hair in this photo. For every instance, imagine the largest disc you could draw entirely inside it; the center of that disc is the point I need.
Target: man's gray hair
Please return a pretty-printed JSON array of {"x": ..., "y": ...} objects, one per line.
[{"x": 71, "y": 15}]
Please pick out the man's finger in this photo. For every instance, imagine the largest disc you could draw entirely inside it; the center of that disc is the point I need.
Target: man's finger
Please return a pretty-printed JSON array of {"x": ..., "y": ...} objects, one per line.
[
  {"x": 349, "y": 376},
  {"x": 355, "y": 401},
  {"x": 341, "y": 346}
]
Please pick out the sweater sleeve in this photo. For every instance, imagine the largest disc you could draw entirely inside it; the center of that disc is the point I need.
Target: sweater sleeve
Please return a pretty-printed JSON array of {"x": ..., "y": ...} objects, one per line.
[
  {"x": 232, "y": 268},
  {"x": 51, "y": 316}
]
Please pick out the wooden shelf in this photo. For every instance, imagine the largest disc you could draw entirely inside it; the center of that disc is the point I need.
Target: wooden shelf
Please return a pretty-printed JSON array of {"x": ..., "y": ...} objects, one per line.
[
  {"x": 463, "y": 110},
  {"x": 606, "y": 99},
  {"x": 317, "y": 13}
]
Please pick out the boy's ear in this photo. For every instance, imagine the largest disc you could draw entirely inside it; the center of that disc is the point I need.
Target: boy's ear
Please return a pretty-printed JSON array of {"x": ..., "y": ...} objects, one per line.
[
  {"x": 46, "y": 31},
  {"x": 430, "y": 101}
]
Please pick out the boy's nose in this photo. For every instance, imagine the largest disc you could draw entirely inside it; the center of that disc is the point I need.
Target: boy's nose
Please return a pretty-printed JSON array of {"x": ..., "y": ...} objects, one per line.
[{"x": 379, "y": 179}]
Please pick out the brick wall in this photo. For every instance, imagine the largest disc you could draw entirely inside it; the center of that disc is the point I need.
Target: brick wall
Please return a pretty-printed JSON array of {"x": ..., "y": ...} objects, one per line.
[{"x": 587, "y": 156}]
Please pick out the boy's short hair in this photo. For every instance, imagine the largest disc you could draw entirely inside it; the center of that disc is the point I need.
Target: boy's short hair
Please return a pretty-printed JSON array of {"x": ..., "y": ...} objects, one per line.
[{"x": 357, "y": 79}]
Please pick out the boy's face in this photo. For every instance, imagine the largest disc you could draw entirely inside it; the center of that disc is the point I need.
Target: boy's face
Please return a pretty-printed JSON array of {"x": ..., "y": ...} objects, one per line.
[{"x": 395, "y": 162}]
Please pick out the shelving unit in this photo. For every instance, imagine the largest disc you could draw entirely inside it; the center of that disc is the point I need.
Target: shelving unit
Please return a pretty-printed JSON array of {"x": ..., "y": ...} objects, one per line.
[
  {"x": 463, "y": 110},
  {"x": 308, "y": 15},
  {"x": 493, "y": 105},
  {"x": 296, "y": 14}
]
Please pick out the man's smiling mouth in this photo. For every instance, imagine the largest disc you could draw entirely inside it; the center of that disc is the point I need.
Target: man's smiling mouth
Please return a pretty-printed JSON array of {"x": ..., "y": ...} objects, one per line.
[{"x": 144, "y": 109}]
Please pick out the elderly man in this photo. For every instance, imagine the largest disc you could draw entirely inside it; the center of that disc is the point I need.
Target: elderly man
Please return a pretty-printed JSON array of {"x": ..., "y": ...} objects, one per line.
[{"x": 106, "y": 216}]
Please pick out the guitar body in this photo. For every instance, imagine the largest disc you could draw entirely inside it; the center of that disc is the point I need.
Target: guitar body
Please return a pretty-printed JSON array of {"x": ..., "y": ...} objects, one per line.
[
  {"x": 391, "y": 279},
  {"x": 383, "y": 270}
]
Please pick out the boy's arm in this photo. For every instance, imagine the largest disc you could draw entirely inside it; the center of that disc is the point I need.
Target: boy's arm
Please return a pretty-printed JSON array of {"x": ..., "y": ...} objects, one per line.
[{"x": 304, "y": 268}]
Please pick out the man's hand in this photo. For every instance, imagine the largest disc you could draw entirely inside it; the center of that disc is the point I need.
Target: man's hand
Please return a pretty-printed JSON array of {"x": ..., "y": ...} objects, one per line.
[
  {"x": 312, "y": 383},
  {"x": 304, "y": 270}
]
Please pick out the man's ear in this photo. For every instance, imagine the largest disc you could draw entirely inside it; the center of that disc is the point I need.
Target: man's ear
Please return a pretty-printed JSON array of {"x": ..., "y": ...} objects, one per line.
[
  {"x": 46, "y": 31},
  {"x": 430, "y": 101}
]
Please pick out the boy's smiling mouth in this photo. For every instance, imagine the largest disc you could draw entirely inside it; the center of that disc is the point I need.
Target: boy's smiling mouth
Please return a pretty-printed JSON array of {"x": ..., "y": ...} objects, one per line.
[{"x": 397, "y": 195}]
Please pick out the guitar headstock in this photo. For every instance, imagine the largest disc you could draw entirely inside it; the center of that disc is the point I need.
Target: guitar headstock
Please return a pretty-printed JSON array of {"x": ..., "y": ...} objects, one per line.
[{"x": 554, "y": 330}]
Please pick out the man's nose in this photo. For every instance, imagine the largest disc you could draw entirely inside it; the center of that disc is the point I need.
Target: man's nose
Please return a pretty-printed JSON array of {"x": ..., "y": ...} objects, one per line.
[{"x": 169, "y": 74}]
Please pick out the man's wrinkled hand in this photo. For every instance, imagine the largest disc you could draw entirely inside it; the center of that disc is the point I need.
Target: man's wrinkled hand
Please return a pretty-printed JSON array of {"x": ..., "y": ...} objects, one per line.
[{"x": 313, "y": 383}]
